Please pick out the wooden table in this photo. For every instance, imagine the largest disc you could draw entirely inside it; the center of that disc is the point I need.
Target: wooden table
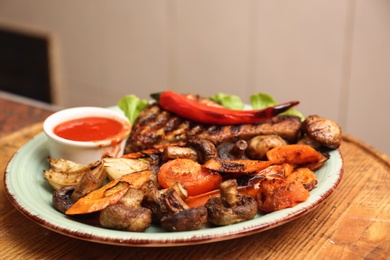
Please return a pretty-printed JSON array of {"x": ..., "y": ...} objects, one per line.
[{"x": 353, "y": 223}]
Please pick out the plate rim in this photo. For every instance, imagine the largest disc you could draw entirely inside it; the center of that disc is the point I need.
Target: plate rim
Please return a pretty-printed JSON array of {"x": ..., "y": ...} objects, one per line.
[{"x": 182, "y": 238}]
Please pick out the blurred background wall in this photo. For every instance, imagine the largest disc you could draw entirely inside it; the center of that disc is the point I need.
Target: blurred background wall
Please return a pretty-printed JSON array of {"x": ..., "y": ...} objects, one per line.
[{"x": 333, "y": 56}]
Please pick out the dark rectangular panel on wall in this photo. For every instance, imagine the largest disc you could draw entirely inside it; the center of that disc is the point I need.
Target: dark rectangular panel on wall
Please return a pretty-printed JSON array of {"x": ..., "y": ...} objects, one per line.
[{"x": 24, "y": 65}]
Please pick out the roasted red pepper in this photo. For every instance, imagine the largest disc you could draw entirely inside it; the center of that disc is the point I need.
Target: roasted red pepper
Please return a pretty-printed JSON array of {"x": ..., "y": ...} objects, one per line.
[{"x": 193, "y": 110}]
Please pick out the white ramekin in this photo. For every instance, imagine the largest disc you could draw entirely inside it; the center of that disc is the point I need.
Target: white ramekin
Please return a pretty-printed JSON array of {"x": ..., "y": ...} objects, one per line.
[{"x": 85, "y": 152}]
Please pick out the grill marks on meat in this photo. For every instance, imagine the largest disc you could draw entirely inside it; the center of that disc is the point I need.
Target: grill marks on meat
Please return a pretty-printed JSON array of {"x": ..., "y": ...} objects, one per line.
[
  {"x": 156, "y": 126},
  {"x": 287, "y": 127}
]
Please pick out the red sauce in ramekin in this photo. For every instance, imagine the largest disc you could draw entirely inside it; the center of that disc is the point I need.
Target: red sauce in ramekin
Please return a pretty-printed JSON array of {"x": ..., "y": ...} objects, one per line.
[{"x": 88, "y": 129}]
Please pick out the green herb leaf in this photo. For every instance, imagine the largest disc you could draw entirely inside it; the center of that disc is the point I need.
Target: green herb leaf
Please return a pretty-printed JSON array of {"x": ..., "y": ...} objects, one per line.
[
  {"x": 262, "y": 100},
  {"x": 228, "y": 101},
  {"x": 294, "y": 112},
  {"x": 131, "y": 105}
]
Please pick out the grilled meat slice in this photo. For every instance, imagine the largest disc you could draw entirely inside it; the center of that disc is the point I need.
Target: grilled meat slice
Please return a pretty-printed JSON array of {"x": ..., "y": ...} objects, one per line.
[{"x": 155, "y": 126}]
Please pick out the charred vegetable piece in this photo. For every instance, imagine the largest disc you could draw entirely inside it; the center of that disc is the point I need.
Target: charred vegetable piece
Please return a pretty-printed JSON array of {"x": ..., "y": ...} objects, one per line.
[
  {"x": 277, "y": 194},
  {"x": 295, "y": 154},
  {"x": 109, "y": 194},
  {"x": 230, "y": 207},
  {"x": 99, "y": 199},
  {"x": 89, "y": 182},
  {"x": 278, "y": 171},
  {"x": 127, "y": 214},
  {"x": 251, "y": 189},
  {"x": 304, "y": 176},
  {"x": 117, "y": 167},
  {"x": 66, "y": 173},
  {"x": 62, "y": 165},
  {"x": 176, "y": 152},
  {"x": 238, "y": 167},
  {"x": 201, "y": 199},
  {"x": 193, "y": 110}
]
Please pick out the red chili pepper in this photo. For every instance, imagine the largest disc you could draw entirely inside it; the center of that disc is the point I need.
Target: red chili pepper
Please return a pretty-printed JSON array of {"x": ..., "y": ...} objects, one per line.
[{"x": 195, "y": 111}]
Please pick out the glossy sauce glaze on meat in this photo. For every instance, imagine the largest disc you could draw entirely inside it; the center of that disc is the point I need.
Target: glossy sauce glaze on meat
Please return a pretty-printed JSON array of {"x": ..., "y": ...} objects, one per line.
[{"x": 156, "y": 126}]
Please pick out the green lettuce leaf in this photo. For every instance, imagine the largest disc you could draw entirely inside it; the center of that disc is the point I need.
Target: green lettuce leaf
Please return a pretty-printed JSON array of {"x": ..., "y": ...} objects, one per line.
[
  {"x": 131, "y": 105},
  {"x": 228, "y": 101},
  {"x": 294, "y": 112},
  {"x": 262, "y": 100}
]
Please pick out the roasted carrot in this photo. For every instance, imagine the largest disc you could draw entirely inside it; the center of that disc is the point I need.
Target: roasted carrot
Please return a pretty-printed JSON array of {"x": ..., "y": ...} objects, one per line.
[
  {"x": 109, "y": 194},
  {"x": 239, "y": 167},
  {"x": 305, "y": 176},
  {"x": 295, "y": 154},
  {"x": 201, "y": 199},
  {"x": 279, "y": 194}
]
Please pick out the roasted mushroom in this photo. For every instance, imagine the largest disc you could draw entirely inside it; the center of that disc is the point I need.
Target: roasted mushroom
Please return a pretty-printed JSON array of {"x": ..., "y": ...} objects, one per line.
[
  {"x": 180, "y": 217},
  {"x": 230, "y": 207},
  {"x": 204, "y": 148},
  {"x": 232, "y": 150},
  {"x": 324, "y": 131},
  {"x": 153, "y": 200},
  {"x": 127, "y": 214},
  {"x": 175, "y": 152},
  {"x": 92, "y": 177},
  {"x": 62, "y": 198},
  {"x": 259, "y": 145},
  {"x": 307, "y": 140}
]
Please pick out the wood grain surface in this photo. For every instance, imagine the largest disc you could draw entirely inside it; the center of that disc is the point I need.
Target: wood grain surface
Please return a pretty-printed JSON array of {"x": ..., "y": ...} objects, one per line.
[{"x": 353, "y": 223}]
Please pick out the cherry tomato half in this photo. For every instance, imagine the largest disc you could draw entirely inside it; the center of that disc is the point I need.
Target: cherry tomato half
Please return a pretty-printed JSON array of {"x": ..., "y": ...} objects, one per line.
[{"x": 195, "y": 178}]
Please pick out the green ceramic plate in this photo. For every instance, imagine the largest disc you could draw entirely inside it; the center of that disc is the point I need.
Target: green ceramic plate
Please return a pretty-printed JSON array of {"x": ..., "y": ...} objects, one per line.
[{"x": 31, "y": 195}]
